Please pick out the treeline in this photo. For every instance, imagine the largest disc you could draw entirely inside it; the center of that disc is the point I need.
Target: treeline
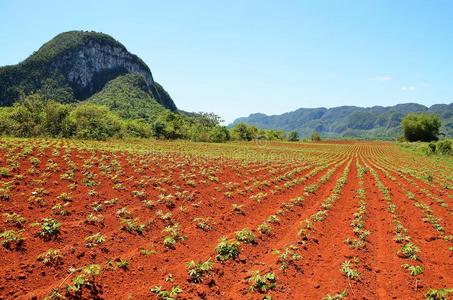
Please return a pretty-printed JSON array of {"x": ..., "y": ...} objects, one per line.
[{"x": 34, "y": 115}]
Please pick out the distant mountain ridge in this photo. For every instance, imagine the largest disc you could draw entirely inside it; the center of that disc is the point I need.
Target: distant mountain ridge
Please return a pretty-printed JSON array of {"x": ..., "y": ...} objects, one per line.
[{"x": 350, "y": 121}]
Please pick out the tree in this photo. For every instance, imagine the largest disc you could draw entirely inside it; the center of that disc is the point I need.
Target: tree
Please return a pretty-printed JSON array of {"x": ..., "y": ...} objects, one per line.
[
  {"x": 55, "y": 115},
  {"x": 170, "y": 125},
  {"x": 421, "y": 127},
  {"x": 219, "y": 134},
  {"x": 293, "y": 136},
  {"x": 55, "y": 88},
  {"x": 91, "y": 121},
  {"x": 244, "y": 132},
  {"x": 315, "y": 136},
  {"x": 27, "y": 116},
  {"x": 271, "y": 135},
  {"x": 202, "y": 124},
  {"x": 136, "y": 128}
]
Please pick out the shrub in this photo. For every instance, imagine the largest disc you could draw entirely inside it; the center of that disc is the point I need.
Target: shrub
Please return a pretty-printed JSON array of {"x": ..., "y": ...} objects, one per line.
[
  {"x": 444, "y": 147},
  {"x": 315, "y": 136},
  {"x": 219, "y": 134},
  {"x": 244, "y": 132},
  {"x": 431, "y": 148},
  {"x": 26, "y": 117},
  {"x": 136, "y": 128},
  {"x": 170, "y": 125},
  {"x": 201, "y": 126},
  {"x": 421, "y": 127},
  {"x": 91, "y": 121},
  {"x": 293, "y": 136},
  {"x": 55, "y": 115}
]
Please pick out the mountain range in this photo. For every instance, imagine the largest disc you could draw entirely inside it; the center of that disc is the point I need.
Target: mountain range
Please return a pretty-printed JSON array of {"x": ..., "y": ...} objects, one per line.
[{"x": 377, "y": 122}]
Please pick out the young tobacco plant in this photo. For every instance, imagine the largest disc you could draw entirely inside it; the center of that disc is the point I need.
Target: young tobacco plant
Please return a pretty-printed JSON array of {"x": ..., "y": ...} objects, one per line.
[
  {"x": 51, "y": 257},
  {"x": 197, "y": 270},
  {"x": 262, "y": 283},
  {"x": 246, "y": 236},
  {"x": 348, "y": 271},
  {"x": 227, "y": 249},
  {"x": 162, "y": 294},
  {"x": 85, "y": 279}
]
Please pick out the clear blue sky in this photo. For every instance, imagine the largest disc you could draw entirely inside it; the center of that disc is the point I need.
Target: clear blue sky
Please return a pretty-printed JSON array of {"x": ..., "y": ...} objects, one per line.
[{"x": 239, "y": 57}]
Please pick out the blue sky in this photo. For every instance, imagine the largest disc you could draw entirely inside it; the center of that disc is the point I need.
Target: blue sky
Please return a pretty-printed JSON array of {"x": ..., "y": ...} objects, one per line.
[{"x": 239, "y": 57}]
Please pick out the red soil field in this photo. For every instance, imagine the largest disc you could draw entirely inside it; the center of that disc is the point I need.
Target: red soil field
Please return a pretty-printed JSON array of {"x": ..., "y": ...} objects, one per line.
[{"x": 358, "y": 220}]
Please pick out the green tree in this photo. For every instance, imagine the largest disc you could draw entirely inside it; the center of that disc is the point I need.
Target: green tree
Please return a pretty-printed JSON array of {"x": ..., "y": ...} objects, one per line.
[
  {"x": 219, "y": 134},
  {"x": 421, "y": 127},
  {"x": 202, "y": 124},
  {"x": 27, "y": 116},
  {"x": 6, "y": 123},
  {"x": 271, "y": 135},
  {"x": 136, "y": 128},
  {"x": 315, "y": 136},
  {"x": 170, "y": 125},
  {"x": 55, "y": 88},
  {"x": 244, "y": 132},
  {"x": 91, "y": 121},
  {"x": 293, "y": 136},
  {"x": 55, "y": 115}
]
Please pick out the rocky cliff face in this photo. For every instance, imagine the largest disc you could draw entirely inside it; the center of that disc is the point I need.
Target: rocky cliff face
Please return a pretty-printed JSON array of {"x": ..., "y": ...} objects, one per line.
[{"x": 90, "y": 66}]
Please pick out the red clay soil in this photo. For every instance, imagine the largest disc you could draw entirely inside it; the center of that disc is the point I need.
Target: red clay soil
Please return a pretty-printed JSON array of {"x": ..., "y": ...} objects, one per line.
[
  {"x": 207, "y": 188},
  {"x": 435, "y": 256}
]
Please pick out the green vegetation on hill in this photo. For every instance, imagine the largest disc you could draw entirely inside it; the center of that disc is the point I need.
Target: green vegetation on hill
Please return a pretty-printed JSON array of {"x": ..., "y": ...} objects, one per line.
[
  {"x": 52, "y": 64},
  {"x": 376, "y": 122},
  {"x": 130, "y": 98},
  {"x": 122, "y": 110},
  {"x": 164, "y": 98},
  {"x": 72, "y": 40}
]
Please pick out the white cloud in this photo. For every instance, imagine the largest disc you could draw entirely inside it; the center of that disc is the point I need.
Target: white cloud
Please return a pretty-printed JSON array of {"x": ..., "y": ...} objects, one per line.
[
  {"x": 408, "y": 88},
  {"x": 383, "y": 78}
]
